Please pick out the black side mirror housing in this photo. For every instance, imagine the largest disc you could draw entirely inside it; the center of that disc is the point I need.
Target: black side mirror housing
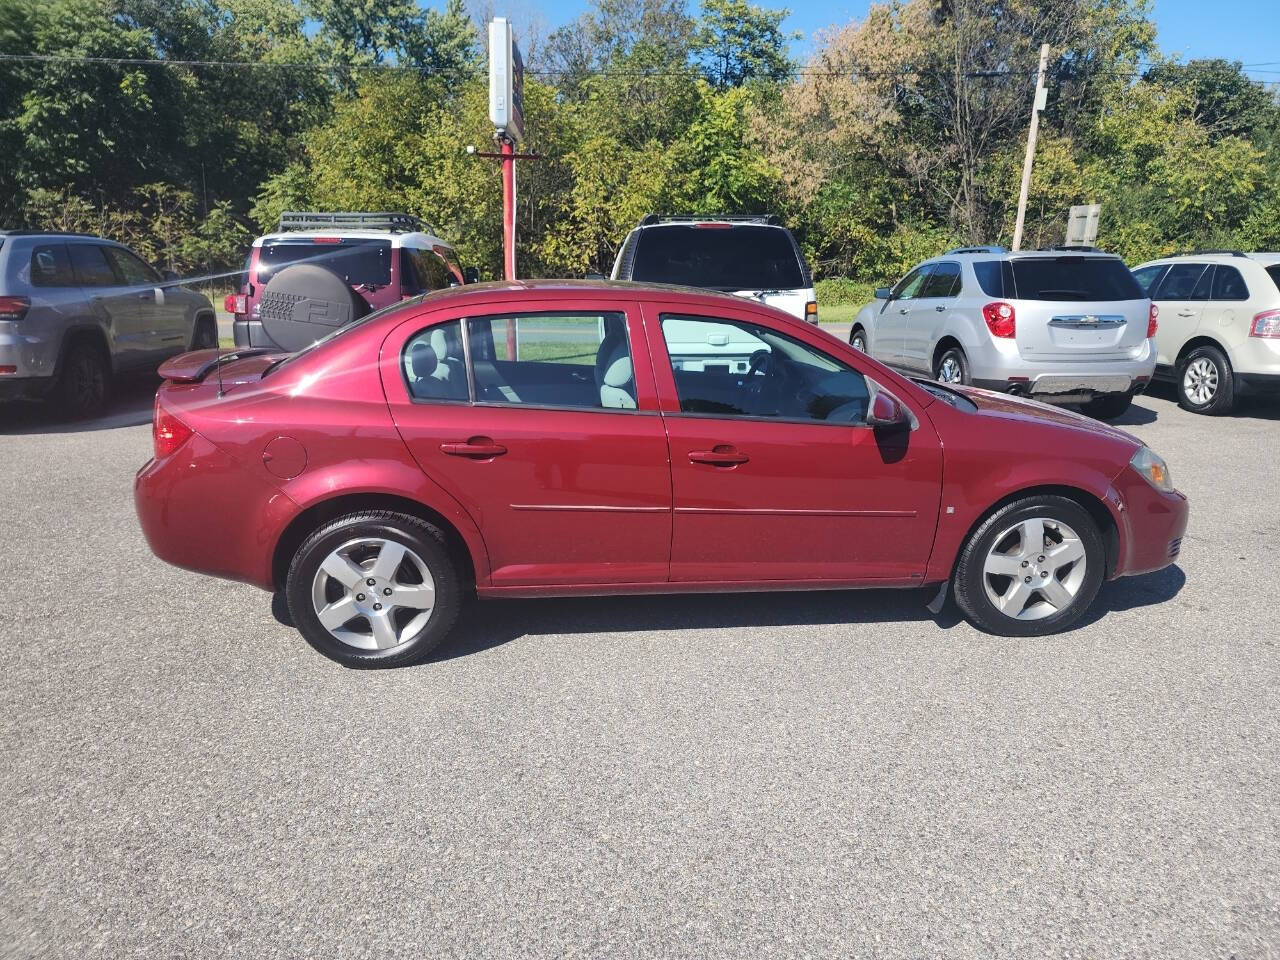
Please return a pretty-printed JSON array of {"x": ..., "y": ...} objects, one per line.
[
  {"x": 170, "y": 276},
  {"x": 470, "y": 275},
  {"x": 595, "y": 276}
]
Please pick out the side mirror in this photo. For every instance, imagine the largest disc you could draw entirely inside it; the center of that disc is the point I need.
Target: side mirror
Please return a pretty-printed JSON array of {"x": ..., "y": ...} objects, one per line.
[
  {"x": 470, "y": 275},
  {"x": 169, "y": 276},
  {"x": 595, "y": 276},
  {"x": 887, "y": 412},
  {"x": 884, "y": 293}
]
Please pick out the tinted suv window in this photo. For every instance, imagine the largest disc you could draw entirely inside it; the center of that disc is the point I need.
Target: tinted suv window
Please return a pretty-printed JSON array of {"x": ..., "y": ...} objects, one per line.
[
  {"x": 994, "y": 277},
  {"x": 1147, "y": 276},
  {"x": 1074, "y": 278},
  {"x": 556, "y": 360},
  {"x": 1273, "y": 272},
  {"x": 358, "y": 260},
  {"x": 718, "y": 257},
  {"x": 784, "y": 378},
  {"x": 90, "y": 265},
  {"x": 944, "y": 281},
  {"x": 51, "y": 267},
  {"x": 134, "y": 271},
  {"x": 1180, "y": 282},
  {"x": 1228, "y": 284}
]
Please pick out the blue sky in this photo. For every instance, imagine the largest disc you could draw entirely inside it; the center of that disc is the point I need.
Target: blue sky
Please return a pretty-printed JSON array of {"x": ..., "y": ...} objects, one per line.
[{"x": 1244, "y": 30}]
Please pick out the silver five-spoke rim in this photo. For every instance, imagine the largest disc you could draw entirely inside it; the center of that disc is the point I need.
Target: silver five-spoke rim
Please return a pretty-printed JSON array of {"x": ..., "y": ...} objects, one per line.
[
  {"x": 859, "y": 342},
  {"x": 1034, "y": 569},
  {"x": 1200, "y": 381},
  {"x": 950, "y": 372},
  {"x": 373, "y": 593}
]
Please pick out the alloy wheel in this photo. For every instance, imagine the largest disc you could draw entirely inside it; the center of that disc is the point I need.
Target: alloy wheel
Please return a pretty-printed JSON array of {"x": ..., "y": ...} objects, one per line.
[
  {"x": 949, "y": 371},
  {"x": 1200, "y": 381},
  {"x": 859, "y": 342},
  {"x": 373, "y": 593},
  {"x": 1034, "y": 569}
]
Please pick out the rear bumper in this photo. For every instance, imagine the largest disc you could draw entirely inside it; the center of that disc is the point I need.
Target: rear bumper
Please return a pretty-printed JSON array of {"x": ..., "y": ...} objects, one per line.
[
  {"x": 1060, "y": 381},
  {"x": 1155, "y": 523},
  {"x": 1260, "y": 382},
  {"x": 201, "y": 510},
  {"x": 249, "y": 333},
  {"x": 24, "y": 388}
]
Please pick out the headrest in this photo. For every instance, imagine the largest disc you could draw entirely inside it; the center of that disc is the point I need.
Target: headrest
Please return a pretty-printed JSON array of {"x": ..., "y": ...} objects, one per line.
[
  {"x": 440, "y": 343},
  {"x": 618, "y": 373},
  {"x": 423, "y": 359}
]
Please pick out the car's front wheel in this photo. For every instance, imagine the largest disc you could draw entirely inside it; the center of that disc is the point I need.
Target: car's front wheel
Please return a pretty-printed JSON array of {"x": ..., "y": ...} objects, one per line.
[
  {"x": 1033, "y": 567},
  {"x": 1206, "y": 383},
  {"x": 858, "y": 339},
  {"x": 374, "y": 589}
]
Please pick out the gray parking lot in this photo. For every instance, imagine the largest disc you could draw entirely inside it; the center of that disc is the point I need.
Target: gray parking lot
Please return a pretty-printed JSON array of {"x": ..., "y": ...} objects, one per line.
[{"x": 701, "y": 776}]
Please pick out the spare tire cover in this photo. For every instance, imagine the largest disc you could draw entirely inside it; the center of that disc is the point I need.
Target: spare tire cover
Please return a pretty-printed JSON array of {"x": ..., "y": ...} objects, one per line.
[{"x": 305, "y": 302}]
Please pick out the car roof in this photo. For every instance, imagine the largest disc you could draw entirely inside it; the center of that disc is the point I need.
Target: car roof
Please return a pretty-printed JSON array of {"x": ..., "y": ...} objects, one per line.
[
  {"x": 1214, "y": 256},
  {"x": 397, "y": 238}
]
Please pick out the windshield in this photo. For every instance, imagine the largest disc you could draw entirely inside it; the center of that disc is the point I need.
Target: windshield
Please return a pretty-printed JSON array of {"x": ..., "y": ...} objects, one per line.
[
  {"x": 1073, "y": 278},
  {"x": 359, "y": 261},
  {"x": 718, "y": 257}
]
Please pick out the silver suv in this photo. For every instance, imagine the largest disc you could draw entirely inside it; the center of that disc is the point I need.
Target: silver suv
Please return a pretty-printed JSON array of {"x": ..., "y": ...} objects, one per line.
[
  {"x": 76, "y": 309},
  {"x": 1219, "y": 325},
  {"x": 1066, "y": 325}
]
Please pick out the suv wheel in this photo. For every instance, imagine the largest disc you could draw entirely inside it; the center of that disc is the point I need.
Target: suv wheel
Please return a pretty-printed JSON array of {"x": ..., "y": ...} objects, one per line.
[
  {"x": 1031, "y": 568},
  {"x": 858, "y": 339},
  {"x": 952, "y": 366},
  {"x": 374, "y": 589},
  {"x": 84, "y": 384},
  {"x": 1107, "y": 407},
  {"x": 205, "y": 334},
  {"x": 1205, "y": 382}
]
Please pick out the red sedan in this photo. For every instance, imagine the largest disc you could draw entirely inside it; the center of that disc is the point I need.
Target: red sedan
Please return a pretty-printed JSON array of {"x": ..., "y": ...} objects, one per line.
[{"x": 563, "y": 438}]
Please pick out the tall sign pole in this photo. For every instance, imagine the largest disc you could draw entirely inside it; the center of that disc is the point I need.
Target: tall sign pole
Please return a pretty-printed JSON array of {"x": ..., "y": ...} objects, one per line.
[
  {"x": 506, "y": 111},
  {"x": 1036, "y": 108}
]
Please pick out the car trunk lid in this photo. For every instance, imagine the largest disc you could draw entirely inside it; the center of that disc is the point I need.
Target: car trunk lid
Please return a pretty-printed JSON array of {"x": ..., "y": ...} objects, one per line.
[{"x": 238, "y": 367}]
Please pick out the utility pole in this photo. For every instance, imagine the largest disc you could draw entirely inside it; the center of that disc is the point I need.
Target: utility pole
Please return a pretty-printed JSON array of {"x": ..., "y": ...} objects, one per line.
[{"x": 1041, "y": 98}]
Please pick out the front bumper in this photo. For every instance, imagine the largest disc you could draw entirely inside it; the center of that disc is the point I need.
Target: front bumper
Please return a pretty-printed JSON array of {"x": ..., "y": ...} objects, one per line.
[{"x": 1155, "y": 523}]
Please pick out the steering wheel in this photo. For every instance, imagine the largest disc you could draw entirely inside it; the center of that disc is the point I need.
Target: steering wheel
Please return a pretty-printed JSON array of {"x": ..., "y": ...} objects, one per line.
[{"x": 760, "y": 374}]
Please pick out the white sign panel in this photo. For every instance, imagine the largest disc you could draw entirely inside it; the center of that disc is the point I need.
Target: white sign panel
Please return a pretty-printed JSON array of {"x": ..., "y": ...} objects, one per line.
[
  {"x": 1082, "y": 225},
  {"x": 506, "y": 80}
]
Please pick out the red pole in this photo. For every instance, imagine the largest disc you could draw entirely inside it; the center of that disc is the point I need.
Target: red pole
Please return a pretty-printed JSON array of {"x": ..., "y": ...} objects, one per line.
[{"x": 509, "y": 229}]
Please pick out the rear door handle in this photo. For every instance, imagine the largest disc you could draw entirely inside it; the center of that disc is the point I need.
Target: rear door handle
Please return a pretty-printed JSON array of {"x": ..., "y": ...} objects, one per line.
[
  {"x": 1186, "y": 313},
  {"x": 940, "y": 308},
  {"x": 477, "y": 448},
  {"x": 721, "y": 456}
]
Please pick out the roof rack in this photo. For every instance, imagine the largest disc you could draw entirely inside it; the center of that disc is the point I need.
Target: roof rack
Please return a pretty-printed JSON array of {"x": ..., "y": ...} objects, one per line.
[
  {"x": 392, "y": 221},
  {"x": 765, "y": 218},
  {"x": 1209, "y": 253},
  {"x": 987, "y": 249},
  {"x": 1079, "y": 247}
]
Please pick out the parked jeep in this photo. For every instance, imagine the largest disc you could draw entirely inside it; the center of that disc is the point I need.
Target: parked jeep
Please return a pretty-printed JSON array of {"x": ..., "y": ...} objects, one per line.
[
  {"x": 320, "y": 271},
  {"x": 77, "y": 309}
]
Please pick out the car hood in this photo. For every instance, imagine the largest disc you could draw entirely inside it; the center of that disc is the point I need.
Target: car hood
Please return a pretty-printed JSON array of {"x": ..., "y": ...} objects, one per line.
[{"x": 1019, "y": 408}]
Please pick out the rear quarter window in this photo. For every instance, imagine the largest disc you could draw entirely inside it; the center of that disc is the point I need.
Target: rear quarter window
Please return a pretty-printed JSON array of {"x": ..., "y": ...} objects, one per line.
[
  {"x": 1273, "y": 272},
  {"x": 995, "y": 277},
  {"x": 51, "y": 267},
  {"x": 1074, "y": 278}
]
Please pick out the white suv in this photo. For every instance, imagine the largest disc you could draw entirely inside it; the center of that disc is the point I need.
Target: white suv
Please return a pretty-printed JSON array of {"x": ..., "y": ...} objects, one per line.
[
  {"x": 1219, "y": 325},
  {"x": 1068, "y": 325}
]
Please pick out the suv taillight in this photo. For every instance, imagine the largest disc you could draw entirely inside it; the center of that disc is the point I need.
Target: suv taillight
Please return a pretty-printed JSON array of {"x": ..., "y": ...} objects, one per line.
[
  {"x": 168, "y": 433},
  {"x": 1000, "y": 319},
  {"x": 236, "y": 303},
  {"x": 1266, "y": 324},
  {"x": 1153, "y": 319},
  {"x": 14, "y": 308}
]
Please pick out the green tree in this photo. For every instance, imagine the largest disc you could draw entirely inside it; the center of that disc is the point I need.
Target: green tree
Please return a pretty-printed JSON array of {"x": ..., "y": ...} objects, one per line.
[{"x": 737, "y": 41}]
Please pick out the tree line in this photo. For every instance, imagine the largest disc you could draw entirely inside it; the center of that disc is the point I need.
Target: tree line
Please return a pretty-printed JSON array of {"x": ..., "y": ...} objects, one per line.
[{"x": 184, "y": 127}]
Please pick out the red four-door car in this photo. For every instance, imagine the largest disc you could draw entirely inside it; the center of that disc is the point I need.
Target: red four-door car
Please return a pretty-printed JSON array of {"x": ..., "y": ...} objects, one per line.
[{"x": 563, "y": 438}]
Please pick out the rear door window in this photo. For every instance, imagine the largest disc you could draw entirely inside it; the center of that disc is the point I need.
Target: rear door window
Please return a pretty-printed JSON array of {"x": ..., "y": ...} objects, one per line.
[
  {"x": 1074, "y": 278},
  {"x": 944, "y": 280},
  {"x": 1181, "y": 281},
  {"x": 359, "y": 260},
  {"x": 51, "y": 267},
  {"x": 718, "y": 257},
  {"x": 89, "y": 261},
  {"x": 1228, "y": 284}
]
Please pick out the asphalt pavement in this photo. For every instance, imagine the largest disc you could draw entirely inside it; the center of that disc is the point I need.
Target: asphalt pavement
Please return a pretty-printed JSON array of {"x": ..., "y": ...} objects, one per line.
[{"x": 719, "y": 776}]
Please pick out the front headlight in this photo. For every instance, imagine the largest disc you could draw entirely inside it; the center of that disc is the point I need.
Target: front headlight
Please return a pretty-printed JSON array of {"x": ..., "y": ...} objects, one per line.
[{"x": 1153, "y": 468}]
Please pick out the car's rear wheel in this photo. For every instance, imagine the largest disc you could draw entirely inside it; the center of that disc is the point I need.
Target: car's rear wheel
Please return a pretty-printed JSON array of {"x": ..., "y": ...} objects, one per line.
[
  {"x": 374, "y": 589},
  {"x": 1108, "y": 406},
  {"x": 952, "y": 366},
  {"x": 85, "y": 382},
  {"x": 1206, "y": 383},
  {"x": 858, "y": 339},
  {"x": 1033, "y": 567}
]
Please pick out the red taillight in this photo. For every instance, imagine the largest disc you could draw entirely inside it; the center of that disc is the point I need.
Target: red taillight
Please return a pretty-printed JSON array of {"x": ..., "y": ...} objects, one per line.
[
  {"x": 1000, "y": 319},
  {"x": 1266, "y": 324},
  {"x": 8, "y": 368},
  {"x": 326, "y": 239},
  {"x": 1153, "y": 321},
  {"x": 713, "y": 226},
  {"x": 167, "y": 432},
  {"x": 14, "y": 308},
  {"x": 236, "y": 303}
]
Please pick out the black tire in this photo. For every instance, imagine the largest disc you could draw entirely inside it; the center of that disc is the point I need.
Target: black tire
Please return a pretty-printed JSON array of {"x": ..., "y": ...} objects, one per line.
[
  {"x": 422, "y": 538},
  {"x": 1107, "y": 407},
  {"x": 205, "y": 334},
  {"x": 1223, "y": 398},
  {"x": 305, "y": 302},
  {"x": 858, "y": 339},
  {"x": 84, "y": 384},
  {"x": 970, "y": 585},
  {"x": 951, "y": 355}
]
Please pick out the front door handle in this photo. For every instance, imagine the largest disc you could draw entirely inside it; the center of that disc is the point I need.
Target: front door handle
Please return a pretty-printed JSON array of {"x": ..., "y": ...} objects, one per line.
[
  {"x": 477, "y": 448},
  {"x": 722, "y": 455},
  {"x": 1186, "y": 313},
  {"x": 904, "y": 311}
]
